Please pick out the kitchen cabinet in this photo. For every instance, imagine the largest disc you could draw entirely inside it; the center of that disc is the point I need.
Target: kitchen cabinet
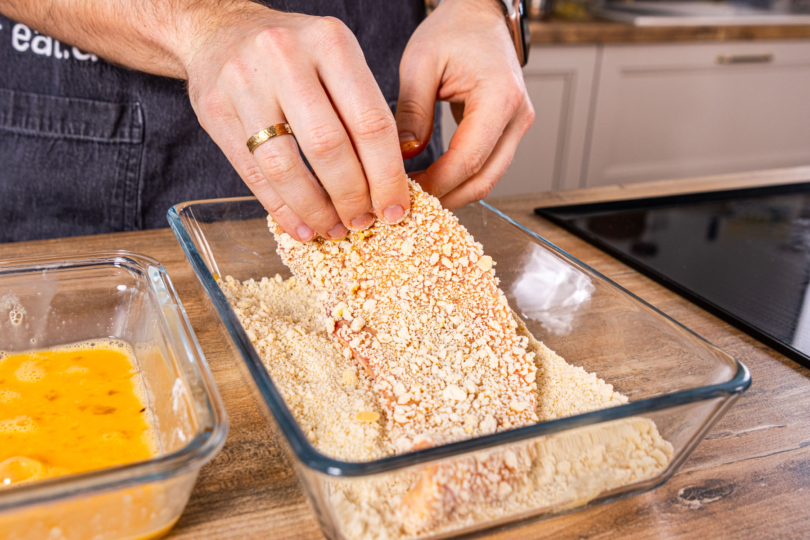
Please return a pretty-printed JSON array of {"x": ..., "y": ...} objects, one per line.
[
  {"x": 551, "y": 155},
  {"x": 694, "y": 109},
  {"x": 623, "y": 113}
]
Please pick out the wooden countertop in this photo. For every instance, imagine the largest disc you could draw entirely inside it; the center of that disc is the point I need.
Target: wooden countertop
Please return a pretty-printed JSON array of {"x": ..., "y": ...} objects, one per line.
[
  {"x": 750, "y": 478},
  {"x": 600, "y": 31}
]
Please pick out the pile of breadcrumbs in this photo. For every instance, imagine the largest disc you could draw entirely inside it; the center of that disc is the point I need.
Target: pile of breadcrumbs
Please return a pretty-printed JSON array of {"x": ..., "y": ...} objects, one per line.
[{"x": 332, "y": 398}]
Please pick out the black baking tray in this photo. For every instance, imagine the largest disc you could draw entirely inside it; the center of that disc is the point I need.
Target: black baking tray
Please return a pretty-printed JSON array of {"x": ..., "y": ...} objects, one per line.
[{"x": 741, "y": 254}]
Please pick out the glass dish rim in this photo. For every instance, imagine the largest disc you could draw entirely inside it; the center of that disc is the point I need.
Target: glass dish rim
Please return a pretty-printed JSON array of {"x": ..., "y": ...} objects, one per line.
[
  {"x": 310, "y": 457},
  {"x": 202, "y": 447}
]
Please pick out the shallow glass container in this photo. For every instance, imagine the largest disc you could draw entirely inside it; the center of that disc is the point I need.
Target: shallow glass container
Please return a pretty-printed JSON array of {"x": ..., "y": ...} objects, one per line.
[
  {"x": 51, "y": 301},
  {"x": 672, "y": 378}
]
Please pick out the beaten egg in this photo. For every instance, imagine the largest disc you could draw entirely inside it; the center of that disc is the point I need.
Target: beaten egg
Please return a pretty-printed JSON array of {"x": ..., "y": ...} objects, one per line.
[{"x": 71, "y": 409}]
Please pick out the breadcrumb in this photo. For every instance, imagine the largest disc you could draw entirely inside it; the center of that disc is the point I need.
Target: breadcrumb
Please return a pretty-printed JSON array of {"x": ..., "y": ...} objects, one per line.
[
  {"x": 439, "y": 342},
  {"x": 329, "y": 396},
  {"x": 442, "y": 358},
  {"x": 436, "y": 335},
  {"x": 331, "y": 400}
]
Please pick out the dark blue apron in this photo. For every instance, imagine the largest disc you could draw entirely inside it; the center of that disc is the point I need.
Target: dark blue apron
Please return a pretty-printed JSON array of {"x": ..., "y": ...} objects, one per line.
[{"x": 87, "y": 147}]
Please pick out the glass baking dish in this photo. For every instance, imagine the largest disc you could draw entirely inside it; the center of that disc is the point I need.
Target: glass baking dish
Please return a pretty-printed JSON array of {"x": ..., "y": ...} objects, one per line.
[
  {"x": 130, "y": 297},
  {"x": 674, "y": 380}
]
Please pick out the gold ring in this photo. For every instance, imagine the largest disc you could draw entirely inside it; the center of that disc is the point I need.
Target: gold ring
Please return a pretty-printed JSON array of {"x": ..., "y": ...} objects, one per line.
[{"x": 268, "y": 133}]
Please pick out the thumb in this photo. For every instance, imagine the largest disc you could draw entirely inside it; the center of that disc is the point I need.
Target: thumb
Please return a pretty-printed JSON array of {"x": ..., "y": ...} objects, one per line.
[{"x": 417, "y": 98}]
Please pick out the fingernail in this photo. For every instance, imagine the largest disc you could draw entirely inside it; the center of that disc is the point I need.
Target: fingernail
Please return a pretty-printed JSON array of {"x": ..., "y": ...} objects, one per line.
[
  {"x": 409, "y": 145},
  {"x": 362, "y": 222},
  {"x": 305, "y": 233},
  {"x": 337, "y": 232},
  {"x": 393, "y": 214}
]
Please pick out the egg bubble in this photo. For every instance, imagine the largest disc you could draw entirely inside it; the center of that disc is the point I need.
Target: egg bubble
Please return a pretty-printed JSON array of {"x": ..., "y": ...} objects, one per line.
[
  {"x": 7, "y": 395},
  {"x": 19, "y": 424},
  {"x": 77, "y": 369},
  {"x": 29, "y": 372},
  {"x": 16, "y": 317},
  {"x": 20, "y": 469}
]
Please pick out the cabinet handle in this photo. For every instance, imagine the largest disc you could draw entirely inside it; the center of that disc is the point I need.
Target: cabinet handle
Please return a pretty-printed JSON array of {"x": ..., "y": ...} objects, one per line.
[{"x": 744, "y": 58}]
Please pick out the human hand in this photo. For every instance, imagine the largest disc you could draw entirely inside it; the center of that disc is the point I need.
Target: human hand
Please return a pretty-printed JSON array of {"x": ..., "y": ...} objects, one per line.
[
  {"x": 258, "y": 67},
  {"x": 463, "y": 53}
]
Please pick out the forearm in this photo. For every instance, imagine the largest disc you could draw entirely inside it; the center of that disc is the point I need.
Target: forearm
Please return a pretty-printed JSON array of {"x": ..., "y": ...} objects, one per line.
[
  {"x": 156, "y": 36},
  {"x": 249, "y": 67}
]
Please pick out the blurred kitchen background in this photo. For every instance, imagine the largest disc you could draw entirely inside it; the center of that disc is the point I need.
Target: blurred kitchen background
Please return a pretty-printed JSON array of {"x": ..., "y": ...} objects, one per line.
[{"x": 649, "y": 90}]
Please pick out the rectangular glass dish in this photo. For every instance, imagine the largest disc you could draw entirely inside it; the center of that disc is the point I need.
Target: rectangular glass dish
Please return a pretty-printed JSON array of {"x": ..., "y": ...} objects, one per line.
[
  {"x": 677, "y": 384},
  {"x": 53, "y": 301}
]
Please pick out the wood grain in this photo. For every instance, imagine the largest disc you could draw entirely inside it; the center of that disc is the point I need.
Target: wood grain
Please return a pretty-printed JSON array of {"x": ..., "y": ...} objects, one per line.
[
  {"x": 599, "y": 31},
  {"x": 749, "y": 479}
]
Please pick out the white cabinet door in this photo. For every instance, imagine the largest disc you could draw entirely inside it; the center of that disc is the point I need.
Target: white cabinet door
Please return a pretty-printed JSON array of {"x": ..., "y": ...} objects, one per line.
[
  {"x": 694, "y": 109},
  {"x": 559, "y": 80}
]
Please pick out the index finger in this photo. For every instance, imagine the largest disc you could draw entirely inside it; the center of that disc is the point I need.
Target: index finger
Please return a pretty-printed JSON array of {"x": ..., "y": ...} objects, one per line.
[{"x": 372, "y": 129}]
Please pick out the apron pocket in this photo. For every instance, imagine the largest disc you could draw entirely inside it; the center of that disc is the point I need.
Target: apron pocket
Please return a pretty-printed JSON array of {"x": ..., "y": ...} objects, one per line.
[{"x": 68, "y": 166}]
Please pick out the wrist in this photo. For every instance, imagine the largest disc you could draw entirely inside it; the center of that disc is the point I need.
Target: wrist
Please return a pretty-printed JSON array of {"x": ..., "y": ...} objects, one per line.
[
  {"x": 492, "y": 9},
  {"x": 202, "y": 29},
  {"x": 504, "y": 14}
]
